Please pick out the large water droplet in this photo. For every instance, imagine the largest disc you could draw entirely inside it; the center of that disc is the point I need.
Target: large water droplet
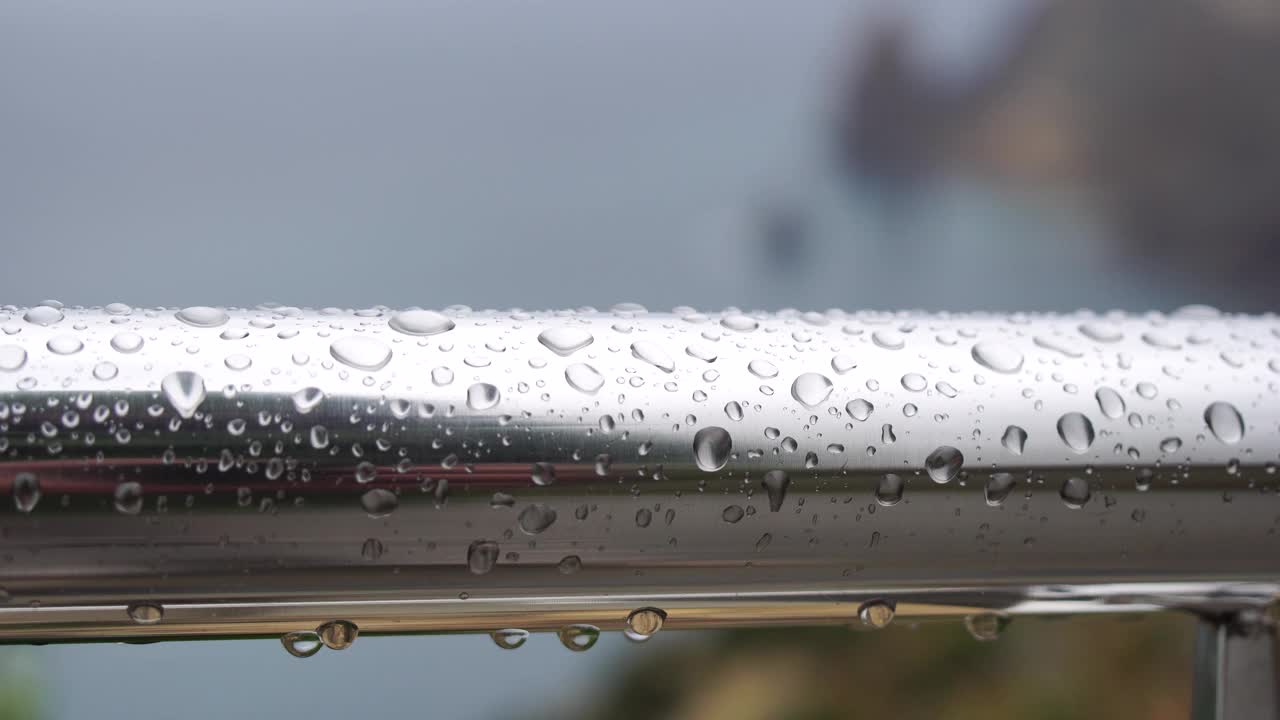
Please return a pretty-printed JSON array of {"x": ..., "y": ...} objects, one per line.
[
  {"x": 301, "y": 644},
  {"x": 890, "y": 489},
  {"x": 653, "y": 354},
  {"x": 811, "y": 389},
  {"x": 509, "y": 638},
  {"x": 482, "y": 555},
  {"x": 1110, "y": 402},
  {"x": 997, "y": 356},
  {"x": 733, "y": 410},
  {"x": 306, "y": 399},
  {"x": 482, "y": 396},
  {"x": 420, "y": 322},
  {"x": 762, "y": 369},
  {"x": 583, "y": 378},
  {"x": 64, "y": 345},
  {"x": 338, "y": 634},
  {"x": 146, "y": 613},
  {"x": 1225, "y": 422},
  {"x": 644, "y": 623},
  {"x": 1014, "y": 439},
  {"x": 12, "y": 357},
  {"x": 184, "y": 390},
  {"x": 1101, "y": 332},
  {"x": 859, "y": 409},
  {"x": 202, "y": 317},
  {"x": 127, "y": 342},
  {"x": 998, "y": 487},
  {"x": 379, "y": 502},
  {"x": 543, "y": 473},
  {"x": 1075, "y": 492},
  {"x": 876, "y": 614},
  {"x": 579, "y": 638},
  {"x": 944, "y": 464},
  {"x": 536, "y": 517},
  {"x": 888, "y": 339},
  {"x": 1076, "y": 431},
  {"x": 914, "y": 382},
  {"x": 361, "y": 353},
  {"x": 985, "y": 626},
  {"x": 775, "y": 484},
  {"x": 711, "y": 448},
  {"x": 43, "y": 315},
  {"x": 565, "y": 341},
  {"x": 732, "y": 514}
]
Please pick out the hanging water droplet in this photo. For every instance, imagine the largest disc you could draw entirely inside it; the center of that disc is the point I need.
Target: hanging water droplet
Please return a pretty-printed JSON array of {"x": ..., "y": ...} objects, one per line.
[
  {"x": 876, "y": 614},
  {"x": 579, "y": 638},
  {"x": 944, "y": 464},
  {"x": 1110, "y": 402},
  {"x": 482, "y": 396},
  {"x": 985, "y": 626},
  {"x": 859, "y": 409},
  {"x": 583, "y": 378},
  {"x": 202, "y": 317},
  {"x": 509, "y": 638},
  {"x": 361, "y": 353},
  {"x": 26, "y": 491},
  {"x": 811, "y": 389},
  {"x": 890, "y": 489},
  {"x": 1076, "y": 431},
  {"x": 998, "y": 487},
  {"x": 185, "y": 391},
  {"x": 1075, "y": 492},
  {"x": 565, "y": 341},
  {"x": 711, "y": 448},
  {"x": 301, "y": 644},
  {"x": 535, "y": 518},
  {"x": 775, "y": 484},
  {"x": 1225, "y": 422},
  {"x": 146, "y": 613},
  {"x": 653, "y": 354},
  {"x": 379, "y": 502},
  {"x": 644, "y": 623},
  {"x": 482, "y": 555},
  {"x": 338, "y": 634},
  {"x": 420, "y": 322},
  {"x": 12, "y": 357}
]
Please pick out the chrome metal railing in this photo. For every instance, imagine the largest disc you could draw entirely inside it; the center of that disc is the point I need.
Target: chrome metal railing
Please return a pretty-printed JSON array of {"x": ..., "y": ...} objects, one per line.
[{"x": 180, "y": 473}]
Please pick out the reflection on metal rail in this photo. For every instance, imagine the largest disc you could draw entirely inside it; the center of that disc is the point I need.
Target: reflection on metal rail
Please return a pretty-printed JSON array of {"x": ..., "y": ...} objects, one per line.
[{"x": 180, "y": 473}]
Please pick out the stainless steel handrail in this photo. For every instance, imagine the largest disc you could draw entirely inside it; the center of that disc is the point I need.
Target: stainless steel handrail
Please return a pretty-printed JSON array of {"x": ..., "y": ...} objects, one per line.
[{"x": 207, "y": 472}]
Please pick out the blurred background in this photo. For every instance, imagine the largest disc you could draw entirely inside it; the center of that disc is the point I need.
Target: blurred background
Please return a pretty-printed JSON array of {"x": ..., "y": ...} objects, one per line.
[{"x": 989, "y": 154}]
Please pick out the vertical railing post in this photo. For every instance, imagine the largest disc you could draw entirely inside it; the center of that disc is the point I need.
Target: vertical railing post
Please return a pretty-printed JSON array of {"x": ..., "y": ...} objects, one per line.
[{"x": 1236, "y": 676}]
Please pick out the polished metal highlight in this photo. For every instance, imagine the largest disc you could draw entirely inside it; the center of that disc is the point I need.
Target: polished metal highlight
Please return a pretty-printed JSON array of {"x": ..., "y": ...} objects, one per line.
[{"x": 200, "y": 472}]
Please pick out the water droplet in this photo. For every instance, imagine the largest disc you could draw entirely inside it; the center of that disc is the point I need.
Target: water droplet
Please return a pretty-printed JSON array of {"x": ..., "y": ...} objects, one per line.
[
  {"x": 998, "y": 487},
  {"x": 859, "y": 409},
  {"x": 379, "y": 502},
  {"x": 509, "y": 638},
  {"x": 146, "y": 613},
  {"x": 565, "y": 341},
  {"x": 762, "y": 369},
  {"x": 888, "y": 339},
  {"x": 127, "y": 342},
  {"x": 43, "y": 315},
  {"x": 843, "y": 364},
  {"x": 26, "y": 491},
  {"x": 372, "y": 549},
  {"x": 64, "y": 345},
  {"x": 202, "y": 317},
  {"x": 583, "y": 378},
  {"x": 1076, "y": 431},
  {"x": 579, "y": 638},
  {"x": 739, "y": 323},
  {"x": 733, "y": 410},
  {"x": 238, "y": 362},
  {"x": 985, "y": 626},
  {"x": 732, "y": 514},
  {"x": 543, "y": 473},
  {"x": 644, "y": 623},
  {"x": 482, "y": 396},
  {"x": 301, "y": 644},
  {"x": 1110, "y": 402},
  {"x": 997, "y": 356},
  {"x": 811, "y": 389},
  {"x": 185, "y": 391},
  {"x": 1101, "y": 332},
  {"x": 653, "y": 354},
  {"x": 701, "y": 351},
  {"x": 1225, "y": 422},
  {"x": 420, "y": 322},
  {"x": 711, "y": 448},
  {"x": 569, "y": 565},
  {"x": 306, "y": 399},
  {"x": 482, "y": 555},
  {"x": 361, "y": 353},
  {"x": 1075, "y": 492},
  {"x": 127, "y": 497},
  {"x": 944, "y": 464},
  {"x": 1170, "y": 445},
  {"x": 914, "y": 382},
  {"x": 890, "y": 489},
  {"x": 366, "y": 472},
  {"x": 876, "y": 614},
  {"x": 1014, "y": 439},
  {"x": 775, "y": 484},
  {"x": 536, "y": 517},
  {"x": 12, "y": 357},
  {"x": 338, "y": 634}
]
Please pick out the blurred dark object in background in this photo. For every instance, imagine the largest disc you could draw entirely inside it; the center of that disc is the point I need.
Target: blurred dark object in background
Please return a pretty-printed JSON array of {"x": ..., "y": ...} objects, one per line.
[
  {"x": 1163, "y": 116},
  {"x": 1122, "y": 667}
]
